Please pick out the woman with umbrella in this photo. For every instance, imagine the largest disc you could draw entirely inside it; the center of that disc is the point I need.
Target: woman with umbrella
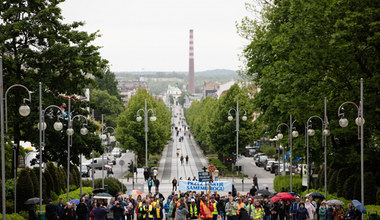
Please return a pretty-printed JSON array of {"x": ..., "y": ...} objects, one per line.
[
  {"x": 322, "y": 211},
  {"x": 338, "y": 212}
]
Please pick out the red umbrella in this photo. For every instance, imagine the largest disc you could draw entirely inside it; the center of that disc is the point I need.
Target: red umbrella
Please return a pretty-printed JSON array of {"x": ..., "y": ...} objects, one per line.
[
  {"x": 275, "y": 198},
  {"x": 283, "y": 194},
  {"x": 287, "y": 197}
]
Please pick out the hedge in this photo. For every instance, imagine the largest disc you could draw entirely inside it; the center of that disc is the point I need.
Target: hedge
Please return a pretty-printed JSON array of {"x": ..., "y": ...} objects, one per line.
[
  {"x": 114, "y": 185},
  {"x": 25, "y": 188},
  {"x": 280, "y": 182},
  {"x": 74, "y": 194},
  {"x": 378, "y": 197},
  {"x": 13, "y": 216}
]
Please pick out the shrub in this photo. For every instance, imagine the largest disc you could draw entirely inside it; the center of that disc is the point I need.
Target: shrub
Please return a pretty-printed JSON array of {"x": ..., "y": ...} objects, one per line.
[
  {"x": 36, "y": 186},
  {"x": 348, "y": 187},
  {"x": 340, "y": 179},
  {"x": 25, "y": 188},
  {"x": 370, "y": 188},
  {"x": 53, "y": 195},
  {"x": 356, "y": 190},
  {"x": 53, "y": 171},
  {"x": 280, "y": 182},
  {"x": 73, "y": 194},
  {"x": 13, "y": 216},
  {"x": 49, "y": 183},
  {"x": 332, "y": 182},
  {"x": 45, "y": 190}
]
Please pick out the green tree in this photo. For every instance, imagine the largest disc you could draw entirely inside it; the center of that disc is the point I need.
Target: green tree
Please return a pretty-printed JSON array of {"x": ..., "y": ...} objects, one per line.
[
  {"x": 108, "y": 82},
  {"x": 36, "y": 46},
  {"x": 303, "y": 51},
  {"x": 108, "y": 105},
  {"x": 130, "y": 133},
  {"x": 25, "y": 188}
]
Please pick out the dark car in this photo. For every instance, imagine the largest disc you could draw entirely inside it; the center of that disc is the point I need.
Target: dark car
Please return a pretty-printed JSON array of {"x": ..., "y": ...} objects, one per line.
[
  {"x": 85, "y": 171},
  {"x": 274, "y": 167}
]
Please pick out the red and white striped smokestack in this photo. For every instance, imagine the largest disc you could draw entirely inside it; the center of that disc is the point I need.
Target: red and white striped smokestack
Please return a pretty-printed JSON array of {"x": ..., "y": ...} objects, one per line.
[{"x": 191, "y": 86}]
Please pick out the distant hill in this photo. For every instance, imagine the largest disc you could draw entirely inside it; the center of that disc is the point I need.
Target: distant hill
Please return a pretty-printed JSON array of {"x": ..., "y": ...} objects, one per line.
[{"x": 224, "y": 73}]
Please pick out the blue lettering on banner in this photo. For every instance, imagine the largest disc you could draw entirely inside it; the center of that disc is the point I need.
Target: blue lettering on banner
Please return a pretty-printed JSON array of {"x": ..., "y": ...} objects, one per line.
[{"x": 219, "y": 186}]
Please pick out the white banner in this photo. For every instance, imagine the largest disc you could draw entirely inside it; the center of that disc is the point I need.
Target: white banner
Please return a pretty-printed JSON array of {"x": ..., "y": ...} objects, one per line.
[{"x": 218, "y": 186}]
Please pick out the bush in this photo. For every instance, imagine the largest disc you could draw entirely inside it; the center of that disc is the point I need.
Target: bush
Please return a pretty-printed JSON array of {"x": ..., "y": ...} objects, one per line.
[
  {"x": 36, "y": 185},
  {"x": 280, "y": 182},
  {"x": 370, "y": 188},
  {"x": 356, "y": 190},
  {"x": 340, "y": 179},
  {"x": 13, "y": 216},
  {"x": 53, "y": 195},
  {"x": 348, "y": 191},
  {"x": 114, "y": 185},
  {"x": 24, "y": 188},
  {"x": 55, "y": 178},
  {"x": 73, "y": 194},
  {"x": 332, "y": 182}
]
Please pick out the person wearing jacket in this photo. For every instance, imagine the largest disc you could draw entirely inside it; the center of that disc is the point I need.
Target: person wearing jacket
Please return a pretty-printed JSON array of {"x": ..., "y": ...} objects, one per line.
[
  {"x": 302, "y": 213},
  {"x": 206, "y": 209},
  {"x": 338, "y": 212},
  {"x": 231, "y": 208},
  {"x": 99, "y": 212},
  {"x": 322, "y": 211},
  {"x": 310, "y": 209},
  {"x": 243, "y": 214},
  {"x": 293, "y": 208},
  {"x": 193, "y": 210},
  {"x": 166, "y": 208},
  {"x": 82, "y": 210},
  {"x": 350, "y": 214},
  {"x": 182, "y": 211},
  {"x": 60, "y": 207},
  {"x": 51, "y": 211},
  {"x": 221, "y": 210},
  {"x": 282, "y": 209},
  {"x": 158, "y": 214},
  {"x": 117, "y": 211},
  {"x": 329, "y": 213},
  {"x": 128, "y": 210},
  {"x": 68, "y": 212}
]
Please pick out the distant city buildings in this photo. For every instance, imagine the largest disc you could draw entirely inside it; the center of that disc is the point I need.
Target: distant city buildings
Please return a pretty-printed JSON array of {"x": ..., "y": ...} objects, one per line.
[{"x": 128, "y": 88}]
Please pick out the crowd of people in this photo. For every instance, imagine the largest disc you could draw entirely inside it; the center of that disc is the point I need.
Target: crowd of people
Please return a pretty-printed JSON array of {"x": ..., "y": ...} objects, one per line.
[{"x": 195, "y": 205}]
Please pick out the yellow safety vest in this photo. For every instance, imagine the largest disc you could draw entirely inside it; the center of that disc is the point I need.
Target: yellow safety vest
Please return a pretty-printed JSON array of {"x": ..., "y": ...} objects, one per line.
[
  {"x": 258, "y": 213},
  {"x": 233, "y": 210},
  {"x": 150, "y": 213},
  {"x": 215, "y": 212},
  {"x": 195, "y": 211}
]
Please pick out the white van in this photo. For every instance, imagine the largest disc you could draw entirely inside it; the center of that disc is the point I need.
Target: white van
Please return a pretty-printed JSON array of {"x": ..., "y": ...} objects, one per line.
[{"x": 99, "y": 162}]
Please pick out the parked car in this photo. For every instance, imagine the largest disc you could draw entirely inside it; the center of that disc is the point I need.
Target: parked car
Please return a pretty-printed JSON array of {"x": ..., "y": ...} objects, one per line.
[
  {"x": 85, "y": 171},
  {"x": 261, "y": 161},
  {"x": 256, "y": 156},
  {"x": 268, "y": 164},
  {"x": 99, "y": 162}
]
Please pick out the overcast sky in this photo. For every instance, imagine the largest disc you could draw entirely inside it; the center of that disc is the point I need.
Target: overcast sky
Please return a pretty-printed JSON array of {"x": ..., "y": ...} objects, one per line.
[{"x": 153, "y": 35}]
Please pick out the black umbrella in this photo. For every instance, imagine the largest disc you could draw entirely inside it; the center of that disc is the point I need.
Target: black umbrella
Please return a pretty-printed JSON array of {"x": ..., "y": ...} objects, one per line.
[
  {"x": 317, "y": 195},
  {"x": 263, "y": 192},
  {"x": 258, "y": 197},
  {"x": 32, "y": 201}
]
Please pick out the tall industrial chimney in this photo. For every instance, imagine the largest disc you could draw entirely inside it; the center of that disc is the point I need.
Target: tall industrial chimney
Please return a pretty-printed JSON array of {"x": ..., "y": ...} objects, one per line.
[{"x": 191, "y": 64}]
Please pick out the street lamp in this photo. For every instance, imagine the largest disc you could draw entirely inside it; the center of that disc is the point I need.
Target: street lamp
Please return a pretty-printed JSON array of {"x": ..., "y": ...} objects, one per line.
[
  {"x": 343, "y": 122},
  {"x": 230, "y": 118},
  {"x": 70, "y": 132},
  {"x": 292, "y": 133},
  {"x": 24, "y": 111},
  {"x": 103, "y": 136},
  {"x": 42, "y": 127},
  {"x": 152, "y": 118}
]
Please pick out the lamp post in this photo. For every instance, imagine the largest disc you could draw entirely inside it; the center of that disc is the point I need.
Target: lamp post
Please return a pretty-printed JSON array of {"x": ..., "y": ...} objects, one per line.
[
  {"x": 343, "y": 122},
  {"x": 291, "y": 134},
  {"x": 70, "y": 132},
  {"x": 104, "y": 137},
  {"x": 230, "y": 118},
  {"x": 325, "y": 133},
  {"x": 42, "y": 127},
  {"x": 24, "y": 111},
  {"x": 152, "y": 118}
]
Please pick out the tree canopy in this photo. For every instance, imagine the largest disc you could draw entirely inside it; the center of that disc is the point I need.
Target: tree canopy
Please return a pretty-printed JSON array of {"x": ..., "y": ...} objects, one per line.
[
  {"x": 302, "y": 51},
  {"x": 130, "y": 133}
]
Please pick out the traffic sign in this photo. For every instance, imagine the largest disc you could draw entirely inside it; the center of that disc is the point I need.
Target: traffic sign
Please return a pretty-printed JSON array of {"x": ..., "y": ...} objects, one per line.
[
  {"x": 204, "y": 176},
  {"x": 121, "y": 162}
]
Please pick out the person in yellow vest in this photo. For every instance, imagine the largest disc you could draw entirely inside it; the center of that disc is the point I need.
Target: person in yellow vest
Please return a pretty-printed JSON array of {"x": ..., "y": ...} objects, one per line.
[
  {"x": 239, "y": 205},
  {"x": 146, "y": 210},
  {"x": 231, "y": 208},
  {"x": 194, "y": 213},
  {"x": 215, "y": 212},
  {"x": 158, "y": 214},
  {"x": 250, "y": 208},
  {"x": 206, "y": 209},
  {"x": 258, "y": 211}
]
